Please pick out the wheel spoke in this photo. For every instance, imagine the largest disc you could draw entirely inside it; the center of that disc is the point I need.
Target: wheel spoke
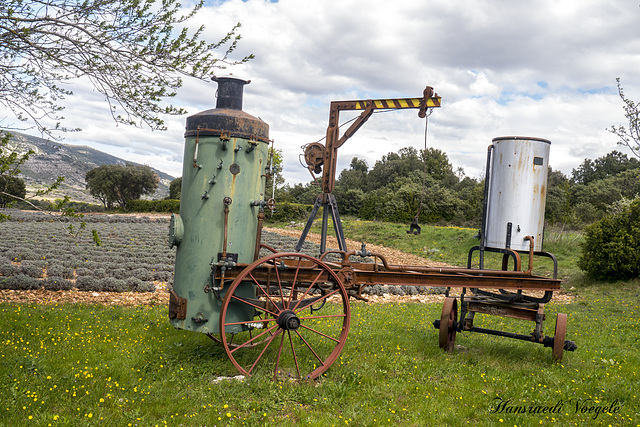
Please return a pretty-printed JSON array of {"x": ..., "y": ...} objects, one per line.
[
  {"x": 263, "y": 350},
  {"x": 293, "y": 284},
  {"x": 311, "y": 348},
  {"x": 293, "y": 352},
  {"x": 265, "y": 293},
  {"x": 319, "y": 333},
  {"x": 307, "y": 291},
  {"x": 275, "y": 265},
  {"x": 244, "y": 301},
  {"x": 323, "y": 297},
  {"x": 275, "y": 369},
  {"x": 248, "y": 342}
]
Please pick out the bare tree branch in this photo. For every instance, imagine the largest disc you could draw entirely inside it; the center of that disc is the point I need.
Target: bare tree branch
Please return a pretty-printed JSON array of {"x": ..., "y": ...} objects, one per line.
[{"x": 629, "y": 136}]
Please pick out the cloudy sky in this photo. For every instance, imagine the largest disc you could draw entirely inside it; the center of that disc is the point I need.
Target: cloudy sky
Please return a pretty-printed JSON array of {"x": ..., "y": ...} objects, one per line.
[{"x": 544, "y": 69}]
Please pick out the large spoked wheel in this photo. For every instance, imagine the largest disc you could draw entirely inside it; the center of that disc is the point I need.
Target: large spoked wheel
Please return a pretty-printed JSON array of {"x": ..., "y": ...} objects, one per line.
[
  {"x": 287, "y": 315},
  {"x": 559, "y": 336},
  {"x": 448, "y": 318}
]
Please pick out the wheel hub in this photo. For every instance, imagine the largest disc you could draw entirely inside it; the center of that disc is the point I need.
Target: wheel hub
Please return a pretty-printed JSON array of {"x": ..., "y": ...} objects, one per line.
[{"x": 288, "y": 320}]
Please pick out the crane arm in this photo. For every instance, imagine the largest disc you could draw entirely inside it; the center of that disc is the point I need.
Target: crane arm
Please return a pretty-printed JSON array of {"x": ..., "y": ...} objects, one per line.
[{"x": 334, "y": 141}]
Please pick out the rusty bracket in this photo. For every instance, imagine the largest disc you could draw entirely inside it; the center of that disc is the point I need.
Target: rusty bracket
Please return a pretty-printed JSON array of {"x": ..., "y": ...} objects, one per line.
[
  {"x": 177, "y": 306},
  {"x": 428, "y": 93},
  {"x": 253, "y": 143}
]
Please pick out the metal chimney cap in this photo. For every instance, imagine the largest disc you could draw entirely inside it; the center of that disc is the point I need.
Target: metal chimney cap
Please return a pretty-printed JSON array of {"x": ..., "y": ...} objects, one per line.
[
  {"x": 229, "y": 77},
  {"x": 229, "y": 93}
]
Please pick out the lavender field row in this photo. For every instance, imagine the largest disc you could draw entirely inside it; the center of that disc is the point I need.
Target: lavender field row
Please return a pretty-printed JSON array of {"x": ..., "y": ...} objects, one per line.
[{"x": 36, "y": 251}]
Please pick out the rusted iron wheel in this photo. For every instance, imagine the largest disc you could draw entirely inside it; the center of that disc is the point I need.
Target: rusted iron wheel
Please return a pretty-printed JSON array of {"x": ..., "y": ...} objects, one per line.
[
  {"x": 447, "y": 319},
  {"x": 559, "y": 336},
  {"x": 286, "y": 315}
]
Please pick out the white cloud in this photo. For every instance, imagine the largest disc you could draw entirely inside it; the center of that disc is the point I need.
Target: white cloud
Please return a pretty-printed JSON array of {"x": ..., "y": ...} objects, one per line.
[{"x": 545, "y": 69}]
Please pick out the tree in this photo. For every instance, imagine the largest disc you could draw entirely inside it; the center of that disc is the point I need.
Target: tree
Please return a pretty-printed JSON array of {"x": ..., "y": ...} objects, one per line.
[
  {"x": 355, "y": 177},
  {"x": 629, "y": 136},
  {"x": 10, "y": 162},
  {"x": 119, "y": 184},
  {"x": 135, "y": 54},
  {"x": 608, "y": 165},
  {"x": 275, "y": 177},
  {"x": 11, "y": 188},
  {"x": 175, "y": 188},
  {"x": 558, "y": 202}
]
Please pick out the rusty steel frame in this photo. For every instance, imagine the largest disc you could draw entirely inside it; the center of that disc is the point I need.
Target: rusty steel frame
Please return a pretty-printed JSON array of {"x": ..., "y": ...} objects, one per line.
[{"x": 354, "y": 275}]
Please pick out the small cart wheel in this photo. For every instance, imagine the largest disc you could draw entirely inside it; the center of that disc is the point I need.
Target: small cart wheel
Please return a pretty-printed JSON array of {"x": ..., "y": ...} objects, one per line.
[
  {"x": 447, "y": 328},
  {"x": 287, "y": 315},
  {"x": 559, "y": 335}
]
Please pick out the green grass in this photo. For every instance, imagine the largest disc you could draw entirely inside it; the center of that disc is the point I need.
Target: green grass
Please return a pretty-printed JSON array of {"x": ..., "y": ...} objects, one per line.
[
  {"x": 70, "y": 365},
  {"x": 114, "y": 366}
]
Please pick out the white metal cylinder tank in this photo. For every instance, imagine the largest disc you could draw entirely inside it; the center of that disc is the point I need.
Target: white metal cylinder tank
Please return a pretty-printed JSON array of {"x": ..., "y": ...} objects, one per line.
[{"x": 517, "y": 193}]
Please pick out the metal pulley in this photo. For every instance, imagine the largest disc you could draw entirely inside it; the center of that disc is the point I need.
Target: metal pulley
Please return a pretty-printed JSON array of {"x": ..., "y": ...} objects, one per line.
[{"x": 314, "y": 156}]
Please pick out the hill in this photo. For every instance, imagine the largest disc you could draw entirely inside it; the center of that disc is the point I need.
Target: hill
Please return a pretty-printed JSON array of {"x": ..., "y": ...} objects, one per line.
[{"x": 53, "y": 159}]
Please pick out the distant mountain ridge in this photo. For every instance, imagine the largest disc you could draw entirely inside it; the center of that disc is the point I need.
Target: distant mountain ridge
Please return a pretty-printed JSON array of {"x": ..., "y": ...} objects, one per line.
[{"x": 53, "y": 159}]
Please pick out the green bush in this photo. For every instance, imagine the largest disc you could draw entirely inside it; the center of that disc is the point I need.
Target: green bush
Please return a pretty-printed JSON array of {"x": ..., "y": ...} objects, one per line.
[
  {"x": 289, "y": 212},
  {"x": 162, "y": 206},
  {"x": 611, "y": 247}
]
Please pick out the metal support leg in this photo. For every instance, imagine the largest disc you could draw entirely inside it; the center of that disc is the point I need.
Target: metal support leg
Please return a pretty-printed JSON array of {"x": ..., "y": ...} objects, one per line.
[
  {"x": 307, "y": 227},
  {"x": 337, "y": 224},
  {"x": 329, "y": 207}
]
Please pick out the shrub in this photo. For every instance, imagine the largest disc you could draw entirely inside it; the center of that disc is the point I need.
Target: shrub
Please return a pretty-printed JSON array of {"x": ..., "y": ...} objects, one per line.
[
  {"x": 110, "y": 284},
  {"x": 611, "y": 247},
  {"x": 119, "y": 273},
  {"x": 88, "y": 284},
  {"x": 142, "y": 274},
  {"x": 57, "y": 284},
  {"x": 57, "y": 270},
  {"x": 289, "y": 212},
  {"x": 161, "y": 267},
  {"x": 32, "y": 268},
  {"x": 162, "y": 276},
  {"x": 82, "y": 271},
  {"x": 8, "y": 269},
  {"x": 99, "y": 273},
  {"x": 23, "y": 254},
  {"x": 21, "y": 282},
  {"x": 136, "y": 285},
  {"x": 71, "y": 263},
  {"x": 165, "y": 206}
]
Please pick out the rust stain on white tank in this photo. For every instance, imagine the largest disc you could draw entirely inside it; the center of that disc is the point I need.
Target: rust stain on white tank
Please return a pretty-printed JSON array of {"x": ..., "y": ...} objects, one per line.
[{"x": 517, "y": 192}]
